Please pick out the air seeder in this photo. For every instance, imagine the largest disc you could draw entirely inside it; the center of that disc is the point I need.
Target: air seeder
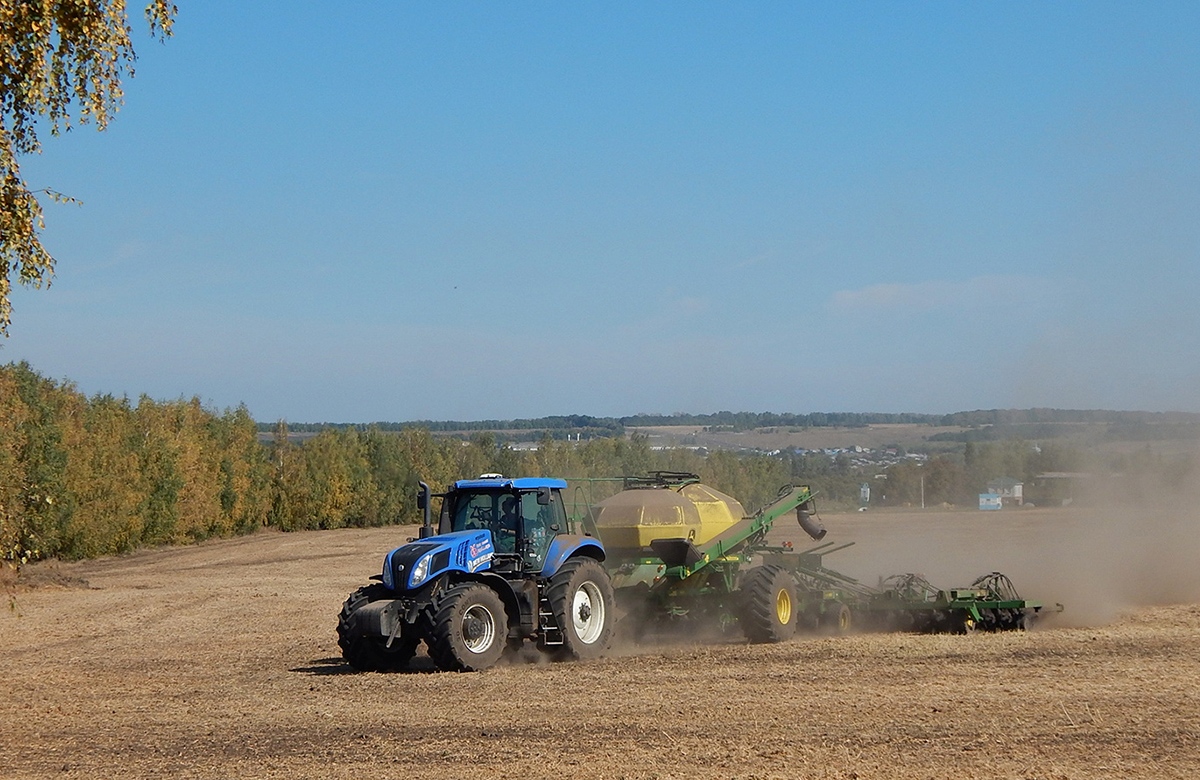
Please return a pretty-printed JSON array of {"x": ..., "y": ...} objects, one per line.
[{"x": 679, "y": 551}]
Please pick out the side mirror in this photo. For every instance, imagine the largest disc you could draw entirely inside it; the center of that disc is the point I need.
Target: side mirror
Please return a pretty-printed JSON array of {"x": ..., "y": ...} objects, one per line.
[
  {"x": 423, "y": 505},
  {"x": 543, "y": 496}
]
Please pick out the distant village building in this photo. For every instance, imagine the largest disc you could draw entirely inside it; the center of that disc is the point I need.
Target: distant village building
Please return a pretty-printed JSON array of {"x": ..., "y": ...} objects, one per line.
[
  {"x": 1008, "y": 489},
  {"x": 1061, "y": 488},
  {"x": 989, "y": 501}
]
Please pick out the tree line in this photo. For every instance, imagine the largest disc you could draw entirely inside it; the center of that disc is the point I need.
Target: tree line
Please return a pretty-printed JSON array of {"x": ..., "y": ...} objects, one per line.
[
  {"x": 983, "y": 425},
  {"x": 617, "y": 426},
  {"x": 82, "y": 476},
  {"x": 86, "y": 476}
]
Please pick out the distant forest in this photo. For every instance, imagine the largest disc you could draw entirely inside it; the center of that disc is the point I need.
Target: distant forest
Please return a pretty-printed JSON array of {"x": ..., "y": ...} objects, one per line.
[
  {"x": 986, "y": 425},
  {"x": 85, "y": 476}
]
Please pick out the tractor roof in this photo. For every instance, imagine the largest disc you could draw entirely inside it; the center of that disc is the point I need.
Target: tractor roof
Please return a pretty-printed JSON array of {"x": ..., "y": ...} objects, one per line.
[{"x": 496, "y": 482}]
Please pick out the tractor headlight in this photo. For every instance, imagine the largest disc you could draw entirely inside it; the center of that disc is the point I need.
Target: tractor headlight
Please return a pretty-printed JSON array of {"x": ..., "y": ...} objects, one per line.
[{"x": 420, "y": 571}]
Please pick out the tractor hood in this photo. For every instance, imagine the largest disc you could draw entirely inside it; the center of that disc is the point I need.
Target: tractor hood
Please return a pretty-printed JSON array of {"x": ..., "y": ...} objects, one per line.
[{"x": 412, "y": 565}]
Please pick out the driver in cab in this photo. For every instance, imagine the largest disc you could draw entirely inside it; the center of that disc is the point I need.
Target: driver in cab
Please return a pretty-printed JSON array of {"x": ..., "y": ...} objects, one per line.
[{"x": 506, "y": 528}]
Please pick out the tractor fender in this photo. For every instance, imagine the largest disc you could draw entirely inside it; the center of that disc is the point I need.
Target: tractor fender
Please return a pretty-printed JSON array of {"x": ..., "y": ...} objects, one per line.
[
  {"x": 566, "y": 546},
  {"x": 503, "y": 588}
]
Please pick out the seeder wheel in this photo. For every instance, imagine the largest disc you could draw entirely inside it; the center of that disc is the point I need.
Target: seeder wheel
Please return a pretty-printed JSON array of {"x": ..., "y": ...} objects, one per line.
[{"x": 769, "y": 605}]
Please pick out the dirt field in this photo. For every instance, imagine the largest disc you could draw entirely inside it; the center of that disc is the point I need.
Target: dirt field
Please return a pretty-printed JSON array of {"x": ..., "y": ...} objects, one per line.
[{"x": 220, "y": 661}]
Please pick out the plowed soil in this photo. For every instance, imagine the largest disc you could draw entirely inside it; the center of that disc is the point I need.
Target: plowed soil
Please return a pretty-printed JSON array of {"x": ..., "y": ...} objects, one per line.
[{"x": 220, "y": 661}]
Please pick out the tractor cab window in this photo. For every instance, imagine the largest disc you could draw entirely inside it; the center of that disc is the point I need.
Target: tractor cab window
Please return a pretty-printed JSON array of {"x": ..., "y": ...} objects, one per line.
[
  {"x": 519, "y": 524},
  {"x": 495, "y": 512}
]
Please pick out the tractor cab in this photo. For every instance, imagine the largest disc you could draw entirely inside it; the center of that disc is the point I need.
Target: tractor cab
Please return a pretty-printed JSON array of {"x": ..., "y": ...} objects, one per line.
[{"x": 522, "y": 515}]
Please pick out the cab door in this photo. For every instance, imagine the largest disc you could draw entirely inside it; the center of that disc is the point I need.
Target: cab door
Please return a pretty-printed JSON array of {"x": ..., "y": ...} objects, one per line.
[{"x": 540, "y": 524}]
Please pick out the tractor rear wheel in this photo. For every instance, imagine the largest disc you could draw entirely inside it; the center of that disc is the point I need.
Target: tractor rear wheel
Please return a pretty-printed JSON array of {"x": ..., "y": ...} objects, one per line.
[
  {"x": 366, "y": 652},
  {"x": 769, "y": 606},
  {"x": 470, "y": 629},
  {"x": 581, "y": 598}
]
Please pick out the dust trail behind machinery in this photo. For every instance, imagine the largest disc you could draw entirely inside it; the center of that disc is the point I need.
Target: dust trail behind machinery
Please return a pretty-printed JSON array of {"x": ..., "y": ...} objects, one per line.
[
  {"x": 1138, "y": 545},
  {"x": 1133, "y": 541}
]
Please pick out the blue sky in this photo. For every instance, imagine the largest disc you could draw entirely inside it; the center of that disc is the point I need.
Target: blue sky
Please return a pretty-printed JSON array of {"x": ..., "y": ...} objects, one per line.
[{"x": 391, "y": 211}]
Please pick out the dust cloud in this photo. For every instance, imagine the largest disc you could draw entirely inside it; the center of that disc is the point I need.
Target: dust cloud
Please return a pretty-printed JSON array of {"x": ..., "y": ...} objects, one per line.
[
  {"x": 1138, "y": 545},
  {"x": 1133, "y": 541}
]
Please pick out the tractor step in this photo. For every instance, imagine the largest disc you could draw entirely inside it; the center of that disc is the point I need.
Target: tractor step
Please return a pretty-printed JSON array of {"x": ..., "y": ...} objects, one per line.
[{"x": 552, "y": 635}]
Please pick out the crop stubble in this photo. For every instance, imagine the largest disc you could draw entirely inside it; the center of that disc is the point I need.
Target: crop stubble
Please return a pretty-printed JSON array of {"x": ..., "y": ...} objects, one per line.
[{"x": 219, "y": 660}]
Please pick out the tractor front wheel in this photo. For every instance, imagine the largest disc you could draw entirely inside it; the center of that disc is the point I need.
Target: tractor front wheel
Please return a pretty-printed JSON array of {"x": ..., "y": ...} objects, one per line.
[
  {"x": 581, "y": 598},
  {"x": 470, "y": 629},
  {"x": 770, "y": 605}
]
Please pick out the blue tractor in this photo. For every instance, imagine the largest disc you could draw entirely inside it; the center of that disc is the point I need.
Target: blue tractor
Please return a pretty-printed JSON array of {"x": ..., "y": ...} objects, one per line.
[{"x": 504, "y": 565}]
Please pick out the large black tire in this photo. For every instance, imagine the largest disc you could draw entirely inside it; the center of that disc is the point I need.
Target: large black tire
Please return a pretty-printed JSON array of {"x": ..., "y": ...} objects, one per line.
[
  {"x": 470, "y": 629},
  {"x": 769, "y": 605},
  {"x": 581, "y": 598},
  {"x": 837, "y": 619},
  {"x": 368, "y": 653}
]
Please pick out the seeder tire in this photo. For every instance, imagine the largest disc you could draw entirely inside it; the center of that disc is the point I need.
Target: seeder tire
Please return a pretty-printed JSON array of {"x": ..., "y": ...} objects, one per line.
[
  {"x": 368, "y": 653},
  {"x": 963, "y": 623},
  {"x": 770, "y": 606},
  {"x": 838, "y": 619},
  {"x": 581, "y": 598},
  {"x": 470, "y": 629}
]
